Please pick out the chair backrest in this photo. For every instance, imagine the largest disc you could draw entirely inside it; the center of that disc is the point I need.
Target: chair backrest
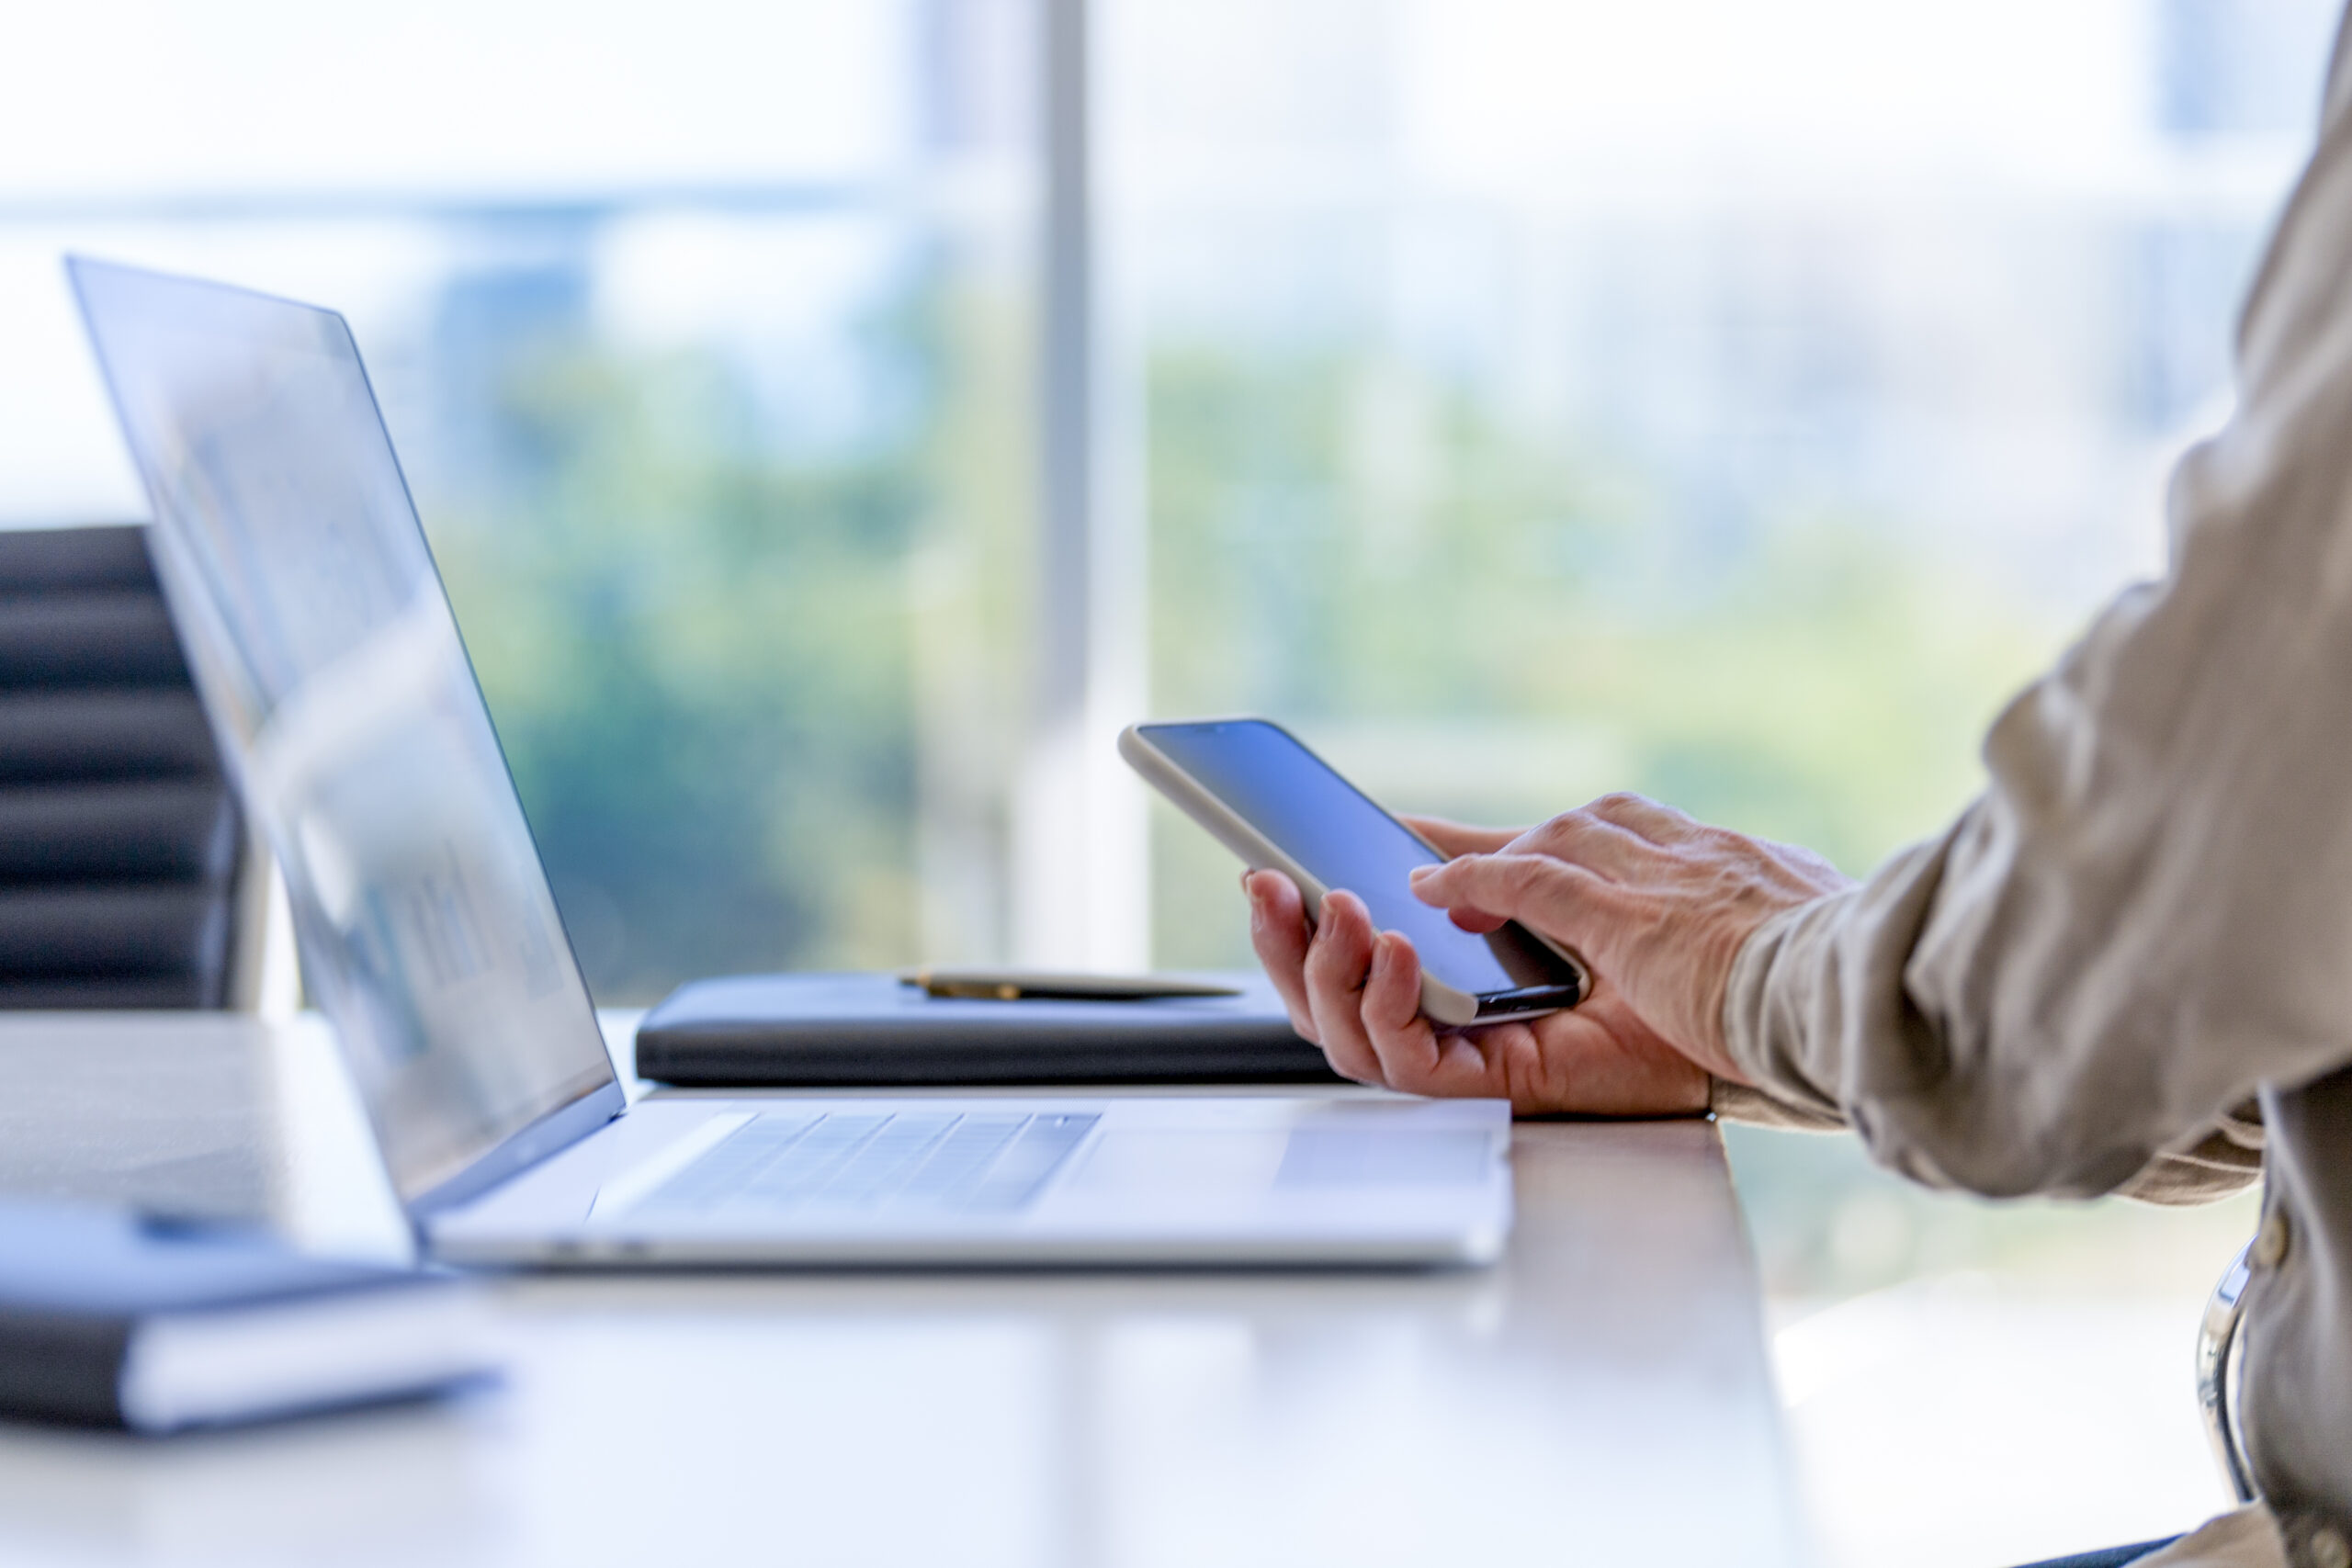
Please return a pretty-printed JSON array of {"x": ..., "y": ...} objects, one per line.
[{"x": 125, "y": 879}]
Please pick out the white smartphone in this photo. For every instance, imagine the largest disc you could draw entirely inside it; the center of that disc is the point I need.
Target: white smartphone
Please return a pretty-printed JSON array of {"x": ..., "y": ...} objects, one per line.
[{"x": 1261, "y": 793}]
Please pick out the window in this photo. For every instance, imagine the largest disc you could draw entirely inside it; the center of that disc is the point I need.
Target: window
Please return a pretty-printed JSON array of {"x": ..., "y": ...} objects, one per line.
[
  {"x": 706, "y": 336},
  {"x": 1523, "y": 399}
]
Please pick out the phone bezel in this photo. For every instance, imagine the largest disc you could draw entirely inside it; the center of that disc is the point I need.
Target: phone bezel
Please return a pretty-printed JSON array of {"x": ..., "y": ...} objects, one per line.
[{"x": 1443, "y": 1003}]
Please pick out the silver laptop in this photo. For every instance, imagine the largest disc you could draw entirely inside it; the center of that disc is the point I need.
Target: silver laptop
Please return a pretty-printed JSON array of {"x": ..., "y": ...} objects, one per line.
[{"x": 332, "y": 667}]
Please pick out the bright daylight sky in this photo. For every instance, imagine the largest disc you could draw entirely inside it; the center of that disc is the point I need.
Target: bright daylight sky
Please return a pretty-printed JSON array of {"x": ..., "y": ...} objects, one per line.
[{"x": 1514, "y": 100}]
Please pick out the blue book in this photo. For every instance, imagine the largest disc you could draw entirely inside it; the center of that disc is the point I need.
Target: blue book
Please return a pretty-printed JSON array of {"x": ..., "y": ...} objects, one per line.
[{"x": 108, "y": 1319}]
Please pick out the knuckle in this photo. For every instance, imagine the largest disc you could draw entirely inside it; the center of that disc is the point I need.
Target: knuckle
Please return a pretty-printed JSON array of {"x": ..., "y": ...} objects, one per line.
[
  {"x": 1564, "y": 825},
  {"x": 1544, "y": 838}
]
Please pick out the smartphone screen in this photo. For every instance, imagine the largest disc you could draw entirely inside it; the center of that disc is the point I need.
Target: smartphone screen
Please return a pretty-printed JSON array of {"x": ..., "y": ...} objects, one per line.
[{"x": 1334, "y": 832}]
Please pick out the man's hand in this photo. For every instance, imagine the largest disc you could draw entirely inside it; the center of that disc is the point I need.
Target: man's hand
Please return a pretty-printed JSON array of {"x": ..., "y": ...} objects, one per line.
[
  {"x": 1657, "y": 904},
  {"x": 1357, "y": 993}
]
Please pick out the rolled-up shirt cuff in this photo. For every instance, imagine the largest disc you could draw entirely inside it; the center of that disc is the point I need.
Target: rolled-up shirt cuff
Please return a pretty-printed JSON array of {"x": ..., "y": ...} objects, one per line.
[
  {"x": 1732, "y": 1102},
  {"x": 1765, "y": 1026}
]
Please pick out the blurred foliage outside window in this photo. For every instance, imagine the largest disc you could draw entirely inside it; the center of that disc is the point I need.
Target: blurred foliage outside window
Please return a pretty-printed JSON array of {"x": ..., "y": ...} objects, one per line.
[{"x": 710, "y": 662}]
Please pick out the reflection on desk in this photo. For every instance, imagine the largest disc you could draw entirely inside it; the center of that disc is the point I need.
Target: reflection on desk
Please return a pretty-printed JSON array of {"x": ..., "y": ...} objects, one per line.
[{"x": 1600, "y": 1397}]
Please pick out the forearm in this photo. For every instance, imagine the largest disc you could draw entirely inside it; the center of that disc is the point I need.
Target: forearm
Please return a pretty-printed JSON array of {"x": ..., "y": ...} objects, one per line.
[
  {"x": 1927, "y": 1010},
  {"x": 2224, "y": 1159},
  {"x": 2143, "y": 919}
]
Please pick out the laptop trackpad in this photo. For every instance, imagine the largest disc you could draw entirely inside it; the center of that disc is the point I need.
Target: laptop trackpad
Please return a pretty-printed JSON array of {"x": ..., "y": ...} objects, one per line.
[
  {"x": 1358, "y": 1156},
  {"x": 1150, "y": 1158}
]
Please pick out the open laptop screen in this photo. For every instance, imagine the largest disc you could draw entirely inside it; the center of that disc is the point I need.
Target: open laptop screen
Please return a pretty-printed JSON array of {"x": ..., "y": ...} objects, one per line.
[{"x": 324, "y": 646}]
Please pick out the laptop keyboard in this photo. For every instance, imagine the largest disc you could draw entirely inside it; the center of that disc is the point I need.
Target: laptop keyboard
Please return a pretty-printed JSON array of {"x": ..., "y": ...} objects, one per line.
[{"x": 780, "y": 1161}]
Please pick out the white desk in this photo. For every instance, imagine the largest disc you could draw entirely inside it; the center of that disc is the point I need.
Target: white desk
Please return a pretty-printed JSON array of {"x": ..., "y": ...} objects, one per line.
[{"x": 1602, "y": 1397}]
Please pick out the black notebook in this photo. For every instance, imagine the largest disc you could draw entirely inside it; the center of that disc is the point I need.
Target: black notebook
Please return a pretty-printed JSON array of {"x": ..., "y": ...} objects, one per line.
[
  {"x": 876, "y": 1031},
  {"x": 109, "y": 1320}
]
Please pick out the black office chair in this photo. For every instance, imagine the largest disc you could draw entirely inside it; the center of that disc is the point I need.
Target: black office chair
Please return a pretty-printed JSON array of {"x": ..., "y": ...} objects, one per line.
[{"x": 126, "y": 877}]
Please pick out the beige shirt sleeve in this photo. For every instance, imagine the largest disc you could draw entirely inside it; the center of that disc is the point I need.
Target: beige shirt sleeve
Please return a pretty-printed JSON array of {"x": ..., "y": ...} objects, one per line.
[
  {"x": 2227, "y": 1159},
  {"x": 2149, "y": 911}
]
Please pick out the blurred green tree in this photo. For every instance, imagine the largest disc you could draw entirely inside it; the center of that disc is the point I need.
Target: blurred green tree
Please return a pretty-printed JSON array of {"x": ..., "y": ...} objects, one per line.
[
  {"x": 696, "y": 655},
  {"x": 1354, "y": 546}
]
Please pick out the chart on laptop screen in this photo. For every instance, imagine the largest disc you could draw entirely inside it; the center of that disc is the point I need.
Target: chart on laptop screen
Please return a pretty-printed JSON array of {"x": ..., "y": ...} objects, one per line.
[{"x": 328, "y": 658}]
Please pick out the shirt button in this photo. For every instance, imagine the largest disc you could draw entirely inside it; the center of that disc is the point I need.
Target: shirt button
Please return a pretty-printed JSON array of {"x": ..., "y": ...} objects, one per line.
[
  {"x": 2270, "y": 1250},
  {"x": 2329, "y": 1549}
]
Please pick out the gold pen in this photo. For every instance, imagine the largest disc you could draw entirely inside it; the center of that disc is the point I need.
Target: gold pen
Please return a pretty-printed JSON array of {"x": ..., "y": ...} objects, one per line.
[{"x": 1020, "y": 985}]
